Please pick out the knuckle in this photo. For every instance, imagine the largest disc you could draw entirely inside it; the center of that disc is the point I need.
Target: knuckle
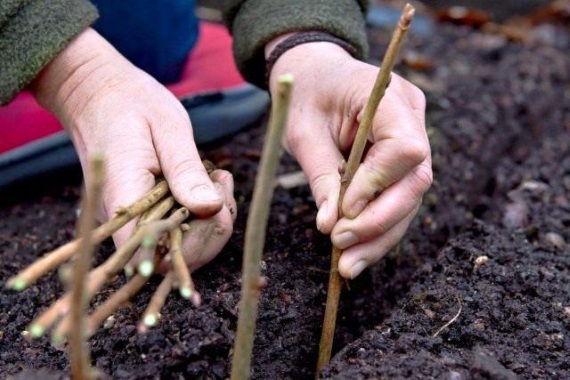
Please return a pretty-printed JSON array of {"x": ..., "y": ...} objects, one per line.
[
  {"x": 380, "y": 227},
  {"x": 406, "y": 85},
  {"x": 322, "y": 183},
  {"x": 414, "y": 151},
  {"x": 319, "y": 180},
  {"x": 413, "y": 93}
]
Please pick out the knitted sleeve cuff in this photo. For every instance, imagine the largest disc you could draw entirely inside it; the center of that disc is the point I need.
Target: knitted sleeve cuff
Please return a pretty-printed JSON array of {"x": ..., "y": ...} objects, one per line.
[
  {"x": 254, "y": 23},
  {"x": 34, "y": 35}
]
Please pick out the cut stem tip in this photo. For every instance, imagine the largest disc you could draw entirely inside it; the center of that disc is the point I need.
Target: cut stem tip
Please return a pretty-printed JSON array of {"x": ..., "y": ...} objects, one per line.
[
  {"x": 285, "y": 78},
  {"x": 129, "y": 271},
  {"x": 407, "y": 16},
  {"x": 145, "y": 268},
  {"x": 36, "y": 331},
  {"x": 186, "y": 292},
  {"x": 150, "y": 320},
  {"x": 17, "y": 284}
]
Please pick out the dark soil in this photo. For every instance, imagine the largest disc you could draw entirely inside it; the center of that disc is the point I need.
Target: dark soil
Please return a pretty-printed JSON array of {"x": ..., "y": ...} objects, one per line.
[{"x": 499, "y": 121}]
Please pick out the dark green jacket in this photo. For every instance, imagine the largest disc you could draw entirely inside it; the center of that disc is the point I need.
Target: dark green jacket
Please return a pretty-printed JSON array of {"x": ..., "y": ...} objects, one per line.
[
  {"x": 253, "y": 23},
  {"x": 32, "y": 32}
]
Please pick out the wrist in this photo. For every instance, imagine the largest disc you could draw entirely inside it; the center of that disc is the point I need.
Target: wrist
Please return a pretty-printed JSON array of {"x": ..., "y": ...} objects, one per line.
[
  {"x": 289, "y": 52},
  {"x": 310, "y": 58}
]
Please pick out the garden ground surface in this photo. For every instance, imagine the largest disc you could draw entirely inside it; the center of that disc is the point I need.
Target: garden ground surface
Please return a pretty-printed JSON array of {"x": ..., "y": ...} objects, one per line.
[{"x": 499, "y": 123}]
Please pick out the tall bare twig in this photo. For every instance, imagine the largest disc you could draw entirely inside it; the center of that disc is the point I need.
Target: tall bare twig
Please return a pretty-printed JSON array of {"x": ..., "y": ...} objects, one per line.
[
  {"x": 382, "y": 81},
  {"x": 255, "y": 230},
  {"x": 78, "y": 350}
]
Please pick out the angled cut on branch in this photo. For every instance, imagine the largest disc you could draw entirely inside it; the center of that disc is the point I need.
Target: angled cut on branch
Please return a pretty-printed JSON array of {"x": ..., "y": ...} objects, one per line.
[{"x": 382, "y": 81}]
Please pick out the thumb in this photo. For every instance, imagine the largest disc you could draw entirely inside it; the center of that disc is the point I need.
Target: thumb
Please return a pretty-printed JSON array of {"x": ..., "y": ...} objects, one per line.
[
  {"x": 328, "y": 187},
  {"x": 181, "y": 165}
]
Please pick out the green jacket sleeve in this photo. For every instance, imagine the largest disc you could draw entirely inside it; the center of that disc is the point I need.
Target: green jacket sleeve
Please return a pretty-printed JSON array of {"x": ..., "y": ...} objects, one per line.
[
  {"x": 253, "y": 23},
  {"x": 32, "y": 32}
]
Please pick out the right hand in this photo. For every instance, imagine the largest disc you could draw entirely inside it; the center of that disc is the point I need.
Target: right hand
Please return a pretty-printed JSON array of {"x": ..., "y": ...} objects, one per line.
[
  {"x": 329, "y": 98},
  {"x": 111, "y": 107}
]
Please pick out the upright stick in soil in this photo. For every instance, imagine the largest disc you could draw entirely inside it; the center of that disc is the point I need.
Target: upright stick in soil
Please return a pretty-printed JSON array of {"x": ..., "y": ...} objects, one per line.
[
  {"x": 382, "y": 81},
  {"x": 78, "y": 351},
  {"x": 255, "y": 231}
]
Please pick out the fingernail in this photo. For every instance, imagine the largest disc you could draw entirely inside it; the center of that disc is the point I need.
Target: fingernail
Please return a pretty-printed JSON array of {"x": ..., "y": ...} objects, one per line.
[
  {"x": 357, "y": 208},
  {"x": 205, "y": 194},
  {"x": 357, "y": 268},
  {"x": 322, "y": 215},
  {"x": 344, "y": 240}
]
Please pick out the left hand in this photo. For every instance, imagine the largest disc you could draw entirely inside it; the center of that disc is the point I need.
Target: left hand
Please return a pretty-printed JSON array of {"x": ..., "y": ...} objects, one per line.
[
  {"x": 111, "y": 107},
  {"x": 330, "y": 92}
]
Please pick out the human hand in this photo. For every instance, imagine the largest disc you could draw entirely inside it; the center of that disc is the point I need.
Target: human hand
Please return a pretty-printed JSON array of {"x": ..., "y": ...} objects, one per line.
[
  {"x": 111, "y": 107},
  {"x": 329, "y": 96}
]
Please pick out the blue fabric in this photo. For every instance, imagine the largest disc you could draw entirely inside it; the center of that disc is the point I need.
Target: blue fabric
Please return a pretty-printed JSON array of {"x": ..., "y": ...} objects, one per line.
[{"x": 155, "y": 35}]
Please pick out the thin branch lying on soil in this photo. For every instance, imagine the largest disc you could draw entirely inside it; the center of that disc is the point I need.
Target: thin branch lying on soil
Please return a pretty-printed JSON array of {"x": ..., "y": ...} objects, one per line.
[
  {"x": 382, "y": 81},
  {"x": 78, "y": 351},
  {"x": 256, "y": 229}
]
